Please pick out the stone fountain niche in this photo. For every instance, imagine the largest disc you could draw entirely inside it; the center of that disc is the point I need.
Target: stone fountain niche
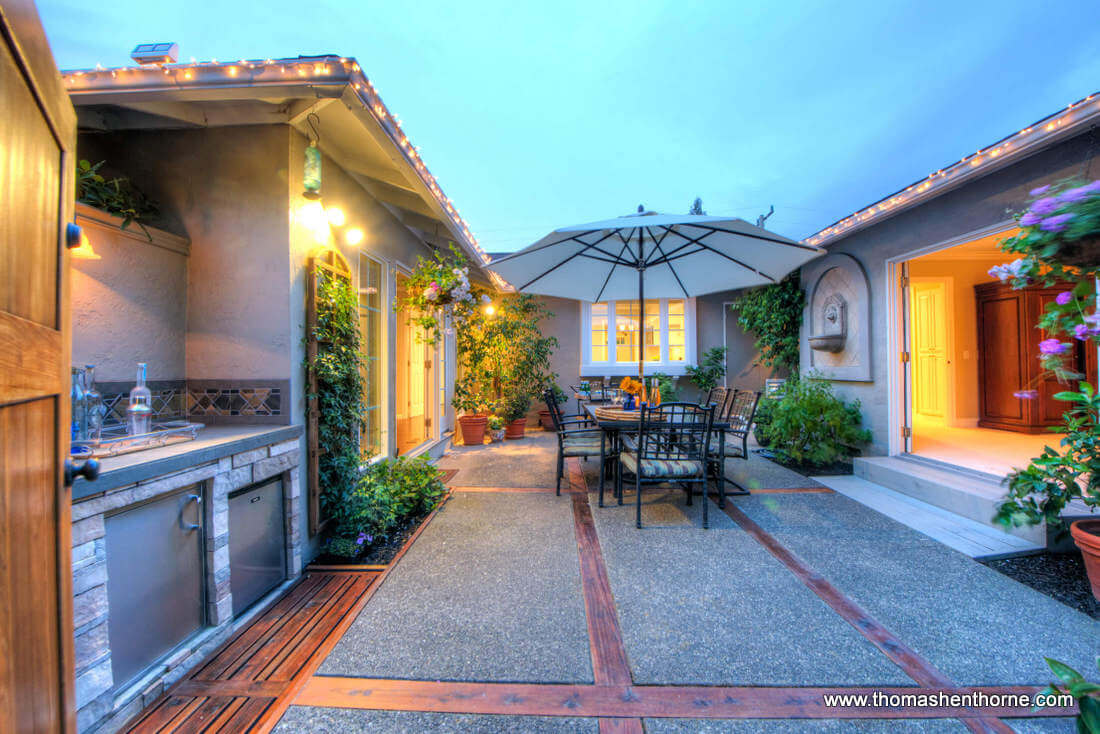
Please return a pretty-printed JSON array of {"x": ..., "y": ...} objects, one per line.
[{"x": 837, "y": 322}]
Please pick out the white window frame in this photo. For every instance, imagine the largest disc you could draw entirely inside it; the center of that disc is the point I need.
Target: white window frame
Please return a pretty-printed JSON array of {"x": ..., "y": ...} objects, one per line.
[{"x": 612, "y": 368}]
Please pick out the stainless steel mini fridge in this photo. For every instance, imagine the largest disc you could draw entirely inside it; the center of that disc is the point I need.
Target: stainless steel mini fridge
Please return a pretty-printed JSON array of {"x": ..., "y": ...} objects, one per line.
[{"x": 257, "y": 542}]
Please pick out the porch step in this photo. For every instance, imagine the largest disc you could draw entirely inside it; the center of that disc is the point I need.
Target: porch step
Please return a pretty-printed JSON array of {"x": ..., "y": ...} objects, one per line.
[
  {"x": 967, "y": 536},
  {"x": 972, "y": 495}
]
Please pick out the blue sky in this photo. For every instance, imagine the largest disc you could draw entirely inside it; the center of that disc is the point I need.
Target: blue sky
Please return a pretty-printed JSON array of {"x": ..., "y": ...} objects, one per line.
[{"x": 535, "y": 115}]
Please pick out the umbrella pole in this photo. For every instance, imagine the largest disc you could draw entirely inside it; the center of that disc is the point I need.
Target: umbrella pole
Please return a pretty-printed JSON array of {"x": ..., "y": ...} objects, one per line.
[{"x": 641, "y": 326}]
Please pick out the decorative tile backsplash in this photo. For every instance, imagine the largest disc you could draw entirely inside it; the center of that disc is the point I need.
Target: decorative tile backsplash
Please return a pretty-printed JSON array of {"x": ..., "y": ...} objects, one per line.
[{"x": 204, "y": 401}]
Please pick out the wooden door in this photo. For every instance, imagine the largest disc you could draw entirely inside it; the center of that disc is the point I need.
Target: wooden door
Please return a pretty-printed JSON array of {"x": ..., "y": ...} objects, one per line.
[
  {"x": 929, "y": 350},
  {"x": 36, "y": 191}
]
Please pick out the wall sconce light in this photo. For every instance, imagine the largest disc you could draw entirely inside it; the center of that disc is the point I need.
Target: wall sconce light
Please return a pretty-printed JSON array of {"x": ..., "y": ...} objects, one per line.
[
  {"x": 311, "y": 175},
  {"x": 335, "y": 216},
  {"x": 353, "y": 236}
]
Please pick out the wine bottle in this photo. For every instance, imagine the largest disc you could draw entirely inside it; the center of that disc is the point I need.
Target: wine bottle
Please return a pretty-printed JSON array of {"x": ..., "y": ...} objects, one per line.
[{"x": 139, "y": 413}]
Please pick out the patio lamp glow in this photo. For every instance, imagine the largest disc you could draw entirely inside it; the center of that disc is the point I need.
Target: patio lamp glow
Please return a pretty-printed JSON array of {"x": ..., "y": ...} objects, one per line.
[
  {"x": 490, "y": 310},
  {"x": 85, "y": 251}
]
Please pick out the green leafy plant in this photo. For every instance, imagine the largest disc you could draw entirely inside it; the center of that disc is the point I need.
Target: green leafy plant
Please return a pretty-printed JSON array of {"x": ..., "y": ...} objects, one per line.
[
  {"x": 387, "y": 495},
  {"x": 1086, "y": 694},
  {"x": 439, "y": 289},
  {"x": 338, "y": 371},
  {"x": 1053, "y": 479},
  {"x": 773, "y": 314},
  {"x": 504, "y": 355},
  {"x": 667, "y": 385},
  {"x": 807, "y": 425},
  {"x": 711, "y": 370},
  {"x": 515, "y": 403},
  {"x": 496, "y": 422},
  {"x": 116, "y": 196}
]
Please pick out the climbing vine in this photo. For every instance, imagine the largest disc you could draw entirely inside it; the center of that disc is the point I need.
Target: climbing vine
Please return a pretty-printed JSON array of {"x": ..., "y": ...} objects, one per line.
[
  {"x": 773, "y": 314},
  {"x": 338, "y": 371}
]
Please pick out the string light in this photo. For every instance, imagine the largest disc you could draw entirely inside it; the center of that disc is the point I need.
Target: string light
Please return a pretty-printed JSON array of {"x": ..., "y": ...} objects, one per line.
[
  {"x": 1072, "y": 113},
  {"x": 365, "y": 89}
]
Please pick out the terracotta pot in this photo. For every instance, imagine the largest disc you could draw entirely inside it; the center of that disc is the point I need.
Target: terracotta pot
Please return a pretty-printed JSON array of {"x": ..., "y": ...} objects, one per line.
[
  {"x": 545, "y": 420},
  {"x": 514, "y": 429},
  {"x": 1083, "y": 253},
  {"x": 1086, "y": 534},
  {"x": 473, "y": 429}
]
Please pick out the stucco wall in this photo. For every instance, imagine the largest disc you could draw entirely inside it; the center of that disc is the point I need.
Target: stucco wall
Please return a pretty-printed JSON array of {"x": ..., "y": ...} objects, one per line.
[
  {"x": 974, "y": 206},
  {"x": 129, "y": 306},
  {"x": 225, "y": 189}
]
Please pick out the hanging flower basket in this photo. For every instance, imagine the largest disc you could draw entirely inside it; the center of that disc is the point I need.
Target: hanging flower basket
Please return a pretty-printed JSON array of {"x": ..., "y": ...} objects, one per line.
[
  {"x": 1060, "y": 229},
  {"x": 1083, "y": 253},
  {"x": 439, "y": 291}
]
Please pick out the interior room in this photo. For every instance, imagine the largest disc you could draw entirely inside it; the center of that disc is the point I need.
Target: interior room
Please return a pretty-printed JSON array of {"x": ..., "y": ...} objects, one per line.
[{"x": 973, "y": 344}]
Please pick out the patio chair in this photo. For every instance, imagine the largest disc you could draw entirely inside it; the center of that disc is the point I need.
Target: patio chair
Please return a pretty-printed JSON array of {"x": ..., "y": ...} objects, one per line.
[
  {"x": 673, "y": 445},
  {"x": 738, "y": 414},
  {"x": 718, "y": 397},
  {"x": 582, "y": 442}
]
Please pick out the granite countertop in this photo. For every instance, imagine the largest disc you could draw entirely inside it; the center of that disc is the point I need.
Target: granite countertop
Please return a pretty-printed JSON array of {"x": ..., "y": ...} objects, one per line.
[{"x": 212, "y": 443}]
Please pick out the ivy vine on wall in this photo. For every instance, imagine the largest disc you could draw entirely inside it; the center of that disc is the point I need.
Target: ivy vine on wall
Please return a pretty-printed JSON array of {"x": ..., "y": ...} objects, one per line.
[
  {"x": 773, "y": 314},
  {"x": 337, "y": 369}
]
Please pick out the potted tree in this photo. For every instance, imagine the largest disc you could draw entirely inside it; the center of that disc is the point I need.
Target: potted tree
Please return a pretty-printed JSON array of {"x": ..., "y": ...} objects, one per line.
[
  {"x": 515, "y": 405},
  {"x": 467, "y": 398},
  {"x": 1059, "y": 240}
]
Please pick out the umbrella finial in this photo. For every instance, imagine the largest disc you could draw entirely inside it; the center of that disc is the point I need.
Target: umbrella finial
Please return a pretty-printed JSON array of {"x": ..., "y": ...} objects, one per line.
[{"x": 641, "y": 208}]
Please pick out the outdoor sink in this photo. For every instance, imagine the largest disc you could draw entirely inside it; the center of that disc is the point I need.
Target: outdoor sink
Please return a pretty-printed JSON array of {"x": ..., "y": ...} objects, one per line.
[{"x": 827, "y": 342}]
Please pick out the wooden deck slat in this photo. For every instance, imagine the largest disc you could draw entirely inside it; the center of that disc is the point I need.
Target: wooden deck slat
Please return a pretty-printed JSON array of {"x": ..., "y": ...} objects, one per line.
[
  {"x": 247, "y": 716},
  {"x": 252, "y": 636},
  {"x": 203, "y": 716},
  {"x": 275, "y": 646},
  {"x": 226, "y": 714},
  {"x": 585, "y": 700},
  {"x": 621, "y": 726},
  {"x": 293, "y": 656}
]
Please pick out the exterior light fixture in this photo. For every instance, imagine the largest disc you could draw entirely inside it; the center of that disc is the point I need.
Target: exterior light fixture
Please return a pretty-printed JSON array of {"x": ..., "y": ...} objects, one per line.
[
  {"x": 335, "y": 216},
  {"x": 311, "y": 175},
  {"x": 353, "y": 236},
  {"x": 490, "y": 310}
]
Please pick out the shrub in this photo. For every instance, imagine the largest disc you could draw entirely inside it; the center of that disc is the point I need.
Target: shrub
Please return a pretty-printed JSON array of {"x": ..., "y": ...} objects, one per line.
[
  {"x": 711, "y": 370},
  {"x": 387, "y": 495},
  {"x": 809, "y": 426},
  {"x": 667, "y": 385}
]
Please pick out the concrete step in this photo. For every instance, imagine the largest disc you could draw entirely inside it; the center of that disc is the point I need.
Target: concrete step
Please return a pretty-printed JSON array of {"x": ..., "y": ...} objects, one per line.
[
  {"x": 973, "y": 538},
  {"x": 972, "y": 495}
]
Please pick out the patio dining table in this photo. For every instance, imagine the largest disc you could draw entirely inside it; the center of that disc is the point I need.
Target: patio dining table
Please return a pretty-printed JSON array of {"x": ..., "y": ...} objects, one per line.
[{"x": 614, "y": 428}]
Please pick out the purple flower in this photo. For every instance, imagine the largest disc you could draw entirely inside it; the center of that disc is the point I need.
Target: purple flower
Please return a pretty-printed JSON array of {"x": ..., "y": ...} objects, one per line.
[
  {"x": 1075, "y": 195},
  {"x": 1063, "y": 298},
  {"x": 1009, "y": 270},
  {"x": 1082, "y": 332},
  {"x": 1030, "y": 219},
  {"x": 1056, "y": 223},
  {"x": 1092, "y": 188},
  {"x": 1053, "y": 346},
  {"x": 1045, "y": 206},
  {"x": 363, "y": 538},
  {"x": 1040, "y": 191},
  {"x": 1026, "y": 394}
]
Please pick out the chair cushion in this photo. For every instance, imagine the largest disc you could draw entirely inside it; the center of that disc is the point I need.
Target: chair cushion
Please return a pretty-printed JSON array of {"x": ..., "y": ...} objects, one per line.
[
  {"x": 629, "y": 441},
  {"x": 581, "y": 445},
  {"x": 733, "y": 450},
  {"x": 660, "y": 468}
]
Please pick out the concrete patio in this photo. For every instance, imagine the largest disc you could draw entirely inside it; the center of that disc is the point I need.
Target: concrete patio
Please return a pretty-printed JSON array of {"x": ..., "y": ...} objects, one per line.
[{"x": 518, "y": 610}]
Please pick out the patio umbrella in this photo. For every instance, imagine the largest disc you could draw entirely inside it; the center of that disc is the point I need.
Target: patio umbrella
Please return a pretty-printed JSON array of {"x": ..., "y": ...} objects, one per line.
[{"x": 659, "y": 255}]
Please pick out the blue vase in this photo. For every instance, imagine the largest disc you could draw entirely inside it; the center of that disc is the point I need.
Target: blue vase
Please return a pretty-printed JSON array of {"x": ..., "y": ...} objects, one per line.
[{"x": 629, "y": 404}]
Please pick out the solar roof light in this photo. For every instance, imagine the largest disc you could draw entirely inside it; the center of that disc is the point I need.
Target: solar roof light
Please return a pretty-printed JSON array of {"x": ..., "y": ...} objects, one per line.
[{"x": 155, "y": 54}]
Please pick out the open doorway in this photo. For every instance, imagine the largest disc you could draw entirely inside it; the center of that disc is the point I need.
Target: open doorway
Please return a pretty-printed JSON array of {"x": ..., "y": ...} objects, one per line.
[
  {"x": 414, "y": 380},
  {"x": 972, "y": 345}
]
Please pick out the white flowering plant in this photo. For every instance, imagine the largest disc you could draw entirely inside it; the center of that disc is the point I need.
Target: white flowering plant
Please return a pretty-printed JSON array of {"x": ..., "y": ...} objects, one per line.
[{"x": 439, "y": 291}]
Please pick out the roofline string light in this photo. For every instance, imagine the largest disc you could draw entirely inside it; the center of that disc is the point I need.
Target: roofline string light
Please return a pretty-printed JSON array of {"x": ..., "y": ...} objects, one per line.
[
  {"x": 1011, "y": 144},
  {"x": 264, "y": 72}
]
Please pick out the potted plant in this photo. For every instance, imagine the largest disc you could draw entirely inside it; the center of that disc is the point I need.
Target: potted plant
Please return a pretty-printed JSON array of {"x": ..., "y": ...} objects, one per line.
[
  {"x": 514, "y": 409},
  {"x": 544, "y": 413},
  {"x": 1059, "y": 241},
  {"x": 496, "y": 428},
  {"x": 473, "y": 422},
  {"x": 438, "y": 291},
  {"x": 1061, "y": 225}
]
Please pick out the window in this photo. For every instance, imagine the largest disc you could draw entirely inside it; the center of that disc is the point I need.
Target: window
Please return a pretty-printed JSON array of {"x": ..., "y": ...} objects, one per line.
[
  {"x": 610, "y": 336},
  {"x": 370, "y": 335}
]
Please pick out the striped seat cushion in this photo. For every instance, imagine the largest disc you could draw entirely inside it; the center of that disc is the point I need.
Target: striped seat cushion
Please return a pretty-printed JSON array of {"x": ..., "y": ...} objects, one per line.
[
  {"x": 581, "y": 445},
  {"x": 660, "y": 468}
]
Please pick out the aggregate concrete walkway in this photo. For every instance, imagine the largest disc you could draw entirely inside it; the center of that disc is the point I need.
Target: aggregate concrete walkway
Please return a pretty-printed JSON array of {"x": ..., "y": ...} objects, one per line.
[{"x": 518, "y": 610}]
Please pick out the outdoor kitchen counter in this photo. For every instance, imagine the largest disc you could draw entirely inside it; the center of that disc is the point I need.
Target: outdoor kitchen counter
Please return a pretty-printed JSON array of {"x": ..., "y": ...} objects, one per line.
[{"x": 212, "y": 443}]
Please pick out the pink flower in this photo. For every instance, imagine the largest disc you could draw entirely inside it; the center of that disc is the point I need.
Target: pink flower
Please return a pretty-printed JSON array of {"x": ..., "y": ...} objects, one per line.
[
  {"x": 1056, "y": 223},
  {"x": 1053, "y": 346},
  {"x": 1026, "y": 394},
  {"x": 1063, "y": 298}
]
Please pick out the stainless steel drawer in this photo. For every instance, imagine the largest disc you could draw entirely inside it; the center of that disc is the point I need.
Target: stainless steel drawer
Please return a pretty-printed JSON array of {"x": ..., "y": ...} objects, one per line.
[
  {"x": 257, "y": 542},
  {"x": 154, "y": 580}
]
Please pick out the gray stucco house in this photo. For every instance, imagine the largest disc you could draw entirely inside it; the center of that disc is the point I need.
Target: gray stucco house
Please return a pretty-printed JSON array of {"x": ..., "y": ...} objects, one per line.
[{"x": 213, "y": 300}]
